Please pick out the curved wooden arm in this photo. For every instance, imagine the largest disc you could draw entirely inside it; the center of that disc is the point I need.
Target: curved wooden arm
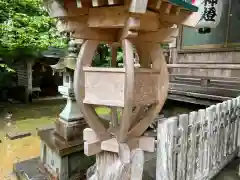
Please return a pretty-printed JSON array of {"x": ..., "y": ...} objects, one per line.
[
  {"x": 158, "y": 63},
  {"x": 128, "y": 90},
  {"x": 85, "y": 57}
]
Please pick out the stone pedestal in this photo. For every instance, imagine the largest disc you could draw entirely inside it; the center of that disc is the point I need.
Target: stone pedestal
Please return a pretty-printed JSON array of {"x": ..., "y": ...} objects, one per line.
[
  {"x": 70, "y": 130},
  {"x": 61, "y": 158},
  {"x": 62, "y": 147}
]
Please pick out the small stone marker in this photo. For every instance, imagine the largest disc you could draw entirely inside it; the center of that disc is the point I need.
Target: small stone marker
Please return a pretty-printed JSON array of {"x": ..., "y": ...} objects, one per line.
[{"x": 18, "y": 135}]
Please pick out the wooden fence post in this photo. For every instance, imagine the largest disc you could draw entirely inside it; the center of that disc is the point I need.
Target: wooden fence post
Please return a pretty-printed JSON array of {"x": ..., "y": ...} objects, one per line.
[{"x": 166, "y": 156}]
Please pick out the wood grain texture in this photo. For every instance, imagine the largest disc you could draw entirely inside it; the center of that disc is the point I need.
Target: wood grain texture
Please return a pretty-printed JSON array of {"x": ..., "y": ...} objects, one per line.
[
  {"x": 182, "y": 147},
  {"x": 166, "y": 143},
  {"x": 159, "y": 64},
  {"x": 128, "y": 90},
  {"x": 210, "y": 140},
  {"x": 85, "y": 59}
]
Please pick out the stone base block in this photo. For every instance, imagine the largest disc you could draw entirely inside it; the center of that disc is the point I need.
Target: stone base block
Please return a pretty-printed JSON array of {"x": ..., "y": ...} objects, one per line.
[{"x": 70, "y": 130}]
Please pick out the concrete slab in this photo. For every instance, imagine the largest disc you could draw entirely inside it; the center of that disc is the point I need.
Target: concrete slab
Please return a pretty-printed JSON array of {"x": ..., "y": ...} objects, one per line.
[
  {"x": 230, "y": 172},
  {"x": 29, "y": 170}
]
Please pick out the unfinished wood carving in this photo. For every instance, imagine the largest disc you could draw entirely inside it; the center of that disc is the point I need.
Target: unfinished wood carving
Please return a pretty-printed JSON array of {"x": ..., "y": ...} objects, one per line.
[{"x": 138, "y": 91}]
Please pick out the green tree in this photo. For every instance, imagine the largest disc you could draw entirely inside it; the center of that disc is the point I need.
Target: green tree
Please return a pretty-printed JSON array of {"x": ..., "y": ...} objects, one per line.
[{"x": 26, "y": 29}]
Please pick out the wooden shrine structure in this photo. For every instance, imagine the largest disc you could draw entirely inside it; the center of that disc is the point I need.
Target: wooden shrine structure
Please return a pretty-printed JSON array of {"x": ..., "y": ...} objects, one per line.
[{"x": 135, "y": 95}]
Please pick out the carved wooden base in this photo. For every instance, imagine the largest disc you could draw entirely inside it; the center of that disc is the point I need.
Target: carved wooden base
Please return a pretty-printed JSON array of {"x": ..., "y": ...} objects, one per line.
[
  {"x": 70, "y": 130},
  {"x": 93, "y": 145},
  {"x": 110, "y": 167}
]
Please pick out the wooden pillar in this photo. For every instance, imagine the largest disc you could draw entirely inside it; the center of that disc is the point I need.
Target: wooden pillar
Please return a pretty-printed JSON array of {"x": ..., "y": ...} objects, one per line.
[{"x": 29, "y": 65}]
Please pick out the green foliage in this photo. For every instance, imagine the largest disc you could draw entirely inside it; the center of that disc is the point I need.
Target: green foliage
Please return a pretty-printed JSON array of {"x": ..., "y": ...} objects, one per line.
[
  {"x": 103, "y": 56},
  {"x": 26, "y": 29}
]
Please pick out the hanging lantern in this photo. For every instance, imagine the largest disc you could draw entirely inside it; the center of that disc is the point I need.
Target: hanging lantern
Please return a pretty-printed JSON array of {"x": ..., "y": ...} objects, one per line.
[{"x": 211, "y": 12}]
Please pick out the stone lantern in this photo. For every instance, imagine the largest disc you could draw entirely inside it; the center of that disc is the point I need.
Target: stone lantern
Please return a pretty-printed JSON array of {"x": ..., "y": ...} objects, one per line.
[{"x": 62, "y": 147}]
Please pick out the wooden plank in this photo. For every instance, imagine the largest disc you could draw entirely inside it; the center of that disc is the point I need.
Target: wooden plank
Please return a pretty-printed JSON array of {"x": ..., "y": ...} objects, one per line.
[
  {"x": 231, "y": 127},
  {"x": 154, "y": 4},
  {"x": 85, "y": 57},
  {"x": 93, "y": 148},
  {"x": 125, "y": 122},
  {"x": 211, "y": 138},
  {"x": 114, "y": 2},
  {"x": 107, "y": 17},
  {"x": 110, "y": 145},
  {"x": 238, "y": 121},
  {"x": 192, "y": 100},
  {"x": 96, "y": 34},
  {"x": 165, "y": 8},
  {"x": 201, "y": 145},
  {"x": 138, "y": 6},
  {"x": 183, "y": 18},
  {"x": 182, "y": 145},
  {"x": 225, "y": 124},
  {"x": 205, "y": 66},
  {"x": 192, "y": 144},
  {"x": 116, "y": 17},
  {"x": 159, "y": 64},
  {"x": 124, "y": 153},
  {"x": 175, "y": 10},
  {"x": 147, "y": 143},
  {"x": 162, "y": 35},
  {"x": 237, "y": 79},
  {"x": 218, "y": 127},
  {"x": 166, "y": 157},
  {"x": 97, "y": 3},
  {"x": 137, "y": 164},
  {"x": 199, "y": 95},
  {"x": 205, "y": 90},
  {"x": 89, "y": 135},
  {"x": 235, "y": 124},
  {"x": 222, "y": 132},
  {"x": 215, "y": 137},
  {"x": 114, "y": 114}
]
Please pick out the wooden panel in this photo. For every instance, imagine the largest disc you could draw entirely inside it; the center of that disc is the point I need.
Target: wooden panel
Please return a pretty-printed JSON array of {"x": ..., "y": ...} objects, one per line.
[
  {"x": 235, "y": 120},
  {"x": 182, "y": 147},
  {"x": 205, "y": 90},
  {"x": 203, "y": 124},
  {"x": 138, "y": 6},
  {"x": 166, "y": 157},
  {"x": 104, "y": 88},
  {"x": 219, "y": 134},
  {"x": 192, "y": 145},
  {"x": 238, "y": 121},
  {"x": 146, "y": 88},
  {"x": 211, "y": 138}
]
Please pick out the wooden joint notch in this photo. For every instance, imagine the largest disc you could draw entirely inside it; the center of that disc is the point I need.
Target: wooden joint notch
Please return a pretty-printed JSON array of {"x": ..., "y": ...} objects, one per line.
[
  {"x": 145, "y": 143},
  {"x": 138, "y": 6},
  {"x": 154, "y": 4},
  {"x": 96, "y": 3},
  {"x": 166, "y": 8},
  {"x": 175, "y": 10},
  {"x": 163, "y": 35},
  {"x": 131, "y": 27},
  {"x": 92, "y": 144}
]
